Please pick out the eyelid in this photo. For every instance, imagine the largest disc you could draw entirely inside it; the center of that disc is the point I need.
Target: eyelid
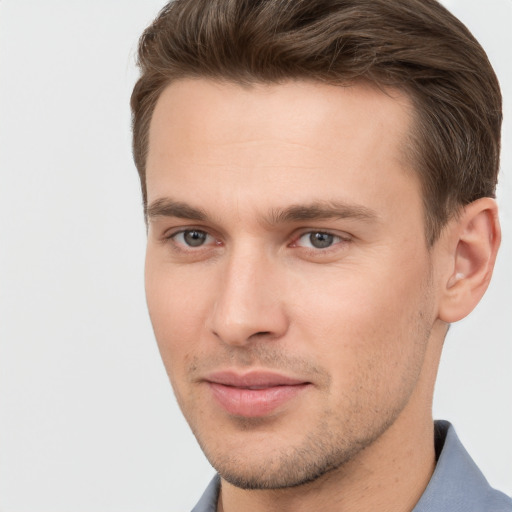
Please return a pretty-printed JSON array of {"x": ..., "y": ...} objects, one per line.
[
  {"x": 341, "y": 243},
  {"x": 173, "y": 231},
  {"x": 171, "y": 234},
  {"x": 342, "y": 235}
]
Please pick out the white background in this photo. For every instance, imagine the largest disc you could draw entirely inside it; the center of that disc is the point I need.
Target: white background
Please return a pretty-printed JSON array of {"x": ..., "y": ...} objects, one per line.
[{"x": 88, "y": 422}]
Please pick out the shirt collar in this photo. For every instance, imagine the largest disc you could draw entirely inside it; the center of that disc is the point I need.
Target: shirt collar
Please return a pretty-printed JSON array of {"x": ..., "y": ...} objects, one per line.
[{"x": 457, "y": 485}]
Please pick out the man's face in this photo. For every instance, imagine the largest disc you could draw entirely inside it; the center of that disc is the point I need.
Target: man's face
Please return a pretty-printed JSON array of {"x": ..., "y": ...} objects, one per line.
[{"x": 287, "y": 275}]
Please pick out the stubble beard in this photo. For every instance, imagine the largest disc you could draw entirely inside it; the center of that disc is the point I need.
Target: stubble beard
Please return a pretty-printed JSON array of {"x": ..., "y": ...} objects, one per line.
[
  {"x": 331, "y": 443},
  {"x": 320, "y": 452}
]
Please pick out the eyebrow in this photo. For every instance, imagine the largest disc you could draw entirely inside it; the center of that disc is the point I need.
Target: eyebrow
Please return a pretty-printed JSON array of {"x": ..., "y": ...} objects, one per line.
[
  {"x": 322, "y": 210},
  {"x": 317, "y": 210},
  {"x": 165, "y": 207}
]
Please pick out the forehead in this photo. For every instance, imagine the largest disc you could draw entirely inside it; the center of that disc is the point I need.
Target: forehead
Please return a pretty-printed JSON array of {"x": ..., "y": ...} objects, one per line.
[
  {"x": 291, "y": 142},
  {"x": 211, "y": 111}
]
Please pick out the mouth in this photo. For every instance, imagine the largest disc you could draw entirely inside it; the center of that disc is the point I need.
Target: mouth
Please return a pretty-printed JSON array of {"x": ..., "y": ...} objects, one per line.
[{"x": 254, "y": 394}]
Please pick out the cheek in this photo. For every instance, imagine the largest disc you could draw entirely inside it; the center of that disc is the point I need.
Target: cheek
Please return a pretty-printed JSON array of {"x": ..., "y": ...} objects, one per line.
[
  {"x": 368, "y": 325},
  {"x": 176, "y": 303}
]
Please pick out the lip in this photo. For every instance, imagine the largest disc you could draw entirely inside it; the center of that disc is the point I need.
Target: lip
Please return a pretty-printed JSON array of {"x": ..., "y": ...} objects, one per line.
[{"x": 253, "y": 394}]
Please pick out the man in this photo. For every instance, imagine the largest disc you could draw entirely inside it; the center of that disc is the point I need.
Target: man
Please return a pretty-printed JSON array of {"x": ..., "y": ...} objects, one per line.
[{"x": 318, "y": 180}]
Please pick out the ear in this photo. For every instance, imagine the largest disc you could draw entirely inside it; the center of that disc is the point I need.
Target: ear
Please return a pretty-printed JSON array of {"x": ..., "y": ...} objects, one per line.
[{"x": 473, "y": 240}]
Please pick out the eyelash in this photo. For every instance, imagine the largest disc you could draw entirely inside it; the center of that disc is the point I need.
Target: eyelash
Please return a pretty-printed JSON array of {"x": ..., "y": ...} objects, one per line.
[
  {"x": 337, "y": 239},
  {"x": 182, "y": 246}
]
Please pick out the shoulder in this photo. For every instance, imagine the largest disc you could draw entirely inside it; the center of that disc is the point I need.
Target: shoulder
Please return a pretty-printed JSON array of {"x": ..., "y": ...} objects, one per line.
[{"x": 457, "y": 484}]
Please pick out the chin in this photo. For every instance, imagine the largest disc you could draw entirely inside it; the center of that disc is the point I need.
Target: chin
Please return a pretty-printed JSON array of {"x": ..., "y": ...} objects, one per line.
[
  {"x": 286, "y": 467},
  {"x": 273, "y": 480}
]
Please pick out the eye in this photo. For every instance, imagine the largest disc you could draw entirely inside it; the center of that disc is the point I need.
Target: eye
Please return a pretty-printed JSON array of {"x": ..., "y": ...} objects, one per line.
[
  {"x": 191, "y": 237},
  {"x": 318, "y": 240}
]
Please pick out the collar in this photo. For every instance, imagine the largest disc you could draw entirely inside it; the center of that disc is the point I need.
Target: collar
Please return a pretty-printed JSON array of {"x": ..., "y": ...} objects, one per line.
[{"x": 457, "y": 485}]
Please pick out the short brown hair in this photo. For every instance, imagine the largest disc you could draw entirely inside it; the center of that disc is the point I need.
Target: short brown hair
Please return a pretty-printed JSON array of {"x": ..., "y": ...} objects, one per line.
[{"x": 416, "y": 46}]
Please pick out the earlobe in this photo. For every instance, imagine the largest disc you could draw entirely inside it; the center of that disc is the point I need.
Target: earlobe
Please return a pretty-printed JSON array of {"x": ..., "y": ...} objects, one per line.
[{"x": 474, "y": 241}]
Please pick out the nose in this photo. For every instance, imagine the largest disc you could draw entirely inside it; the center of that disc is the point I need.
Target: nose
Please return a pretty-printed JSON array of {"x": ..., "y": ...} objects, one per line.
[{"x": 249, "y": 303}]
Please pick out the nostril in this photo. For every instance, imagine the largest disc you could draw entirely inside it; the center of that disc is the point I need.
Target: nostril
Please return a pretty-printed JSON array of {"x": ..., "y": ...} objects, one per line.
[{"x": 260, "y": 334}]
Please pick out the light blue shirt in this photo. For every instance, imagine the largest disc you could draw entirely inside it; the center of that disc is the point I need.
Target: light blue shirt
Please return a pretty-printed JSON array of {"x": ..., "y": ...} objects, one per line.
[{"x": 457, "y": 484}]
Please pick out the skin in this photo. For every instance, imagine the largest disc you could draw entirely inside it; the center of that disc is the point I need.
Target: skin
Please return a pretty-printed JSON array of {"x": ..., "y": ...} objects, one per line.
[{"x": 252, "y": 173}]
